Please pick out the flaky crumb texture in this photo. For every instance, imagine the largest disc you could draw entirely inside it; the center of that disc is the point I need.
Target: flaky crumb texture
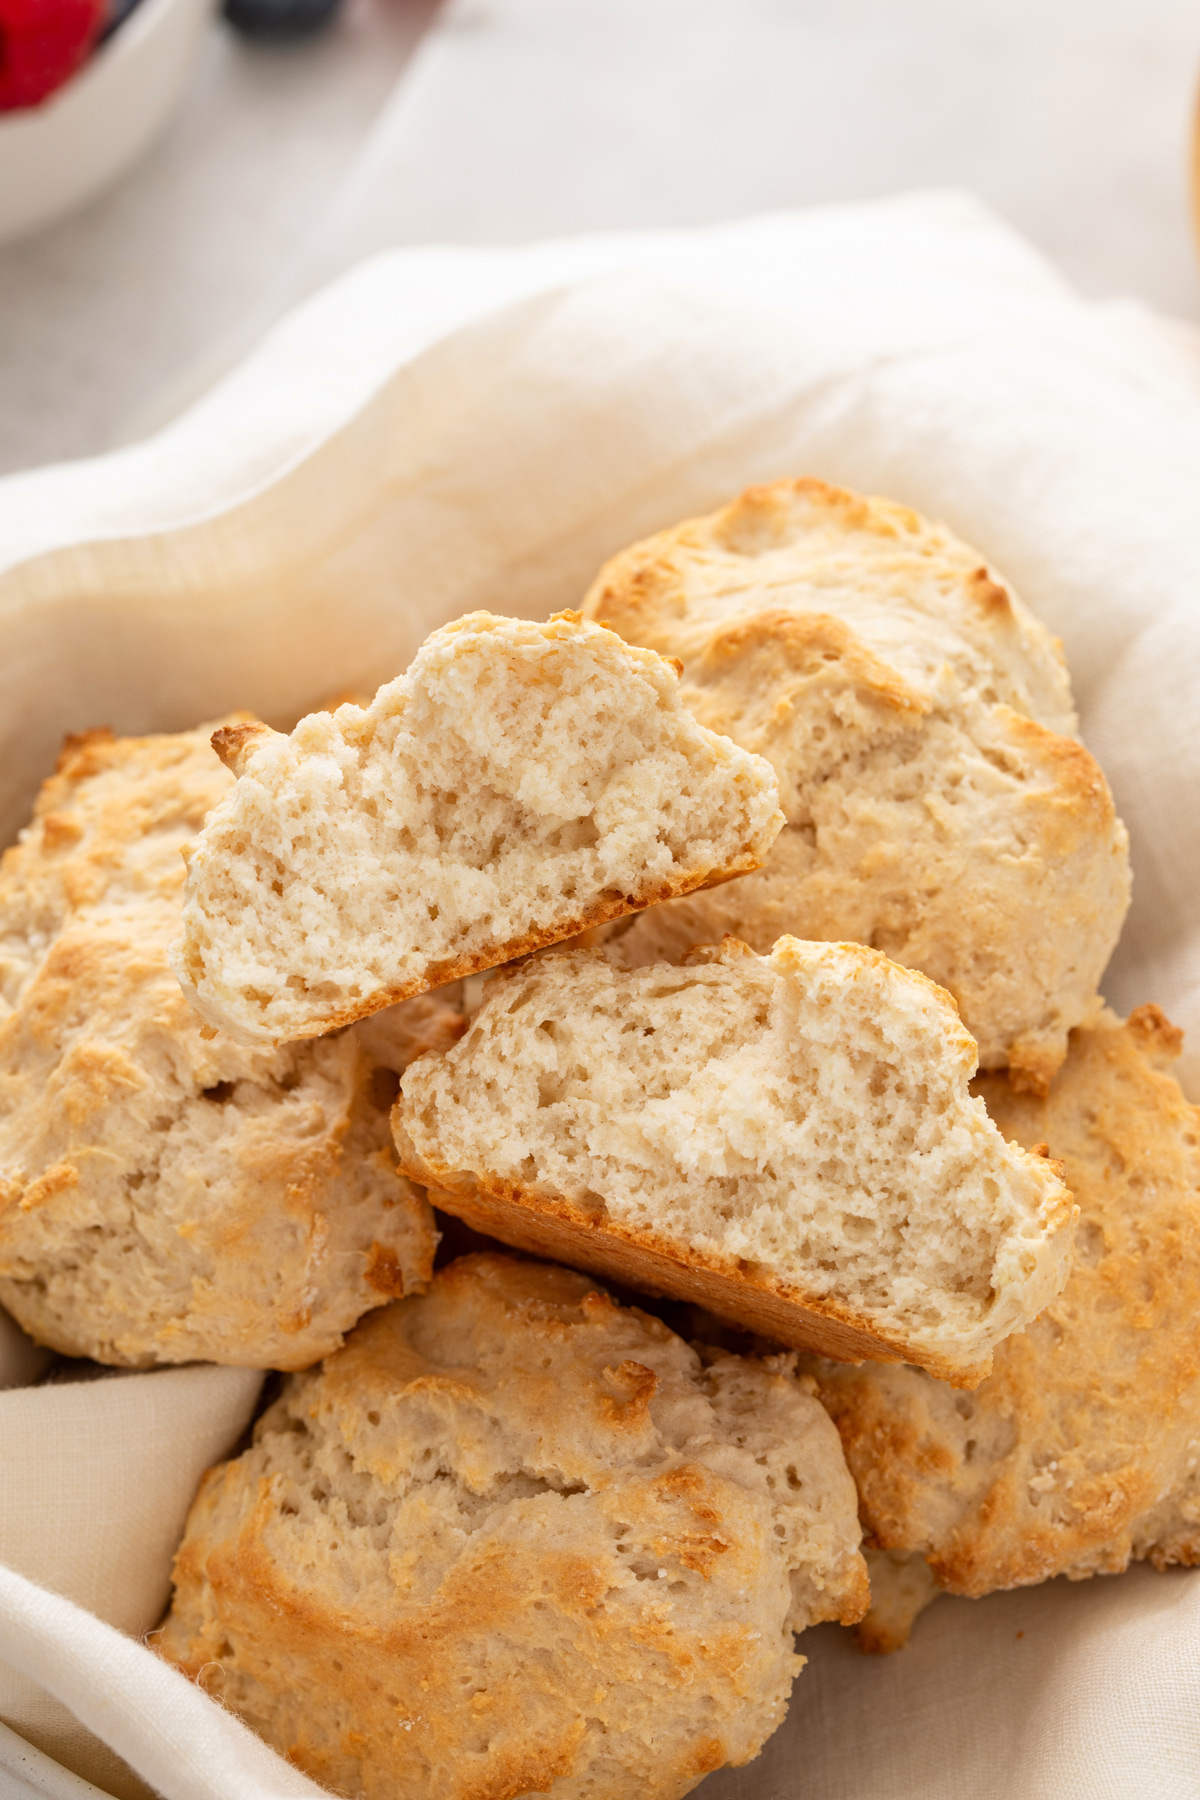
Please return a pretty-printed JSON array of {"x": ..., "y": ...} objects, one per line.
[
  {"x": 1081, "y": 1452},
  {"x": 800, "y": 1121},
  {"x": 520, "y": 783}
]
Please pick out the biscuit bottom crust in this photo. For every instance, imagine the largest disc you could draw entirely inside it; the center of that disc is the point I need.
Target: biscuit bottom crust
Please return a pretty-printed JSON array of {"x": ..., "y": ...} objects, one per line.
[
  {"x": 750, "y": 1298},
  {"x": 786, "y": 1140}
]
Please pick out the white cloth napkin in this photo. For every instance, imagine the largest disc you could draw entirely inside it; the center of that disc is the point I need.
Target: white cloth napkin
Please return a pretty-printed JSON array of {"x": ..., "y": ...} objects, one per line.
[
  {"x": 448, "y": 429},
  {"x": 98, "y": 1476},
  {"x": 182, "y": 1742}
]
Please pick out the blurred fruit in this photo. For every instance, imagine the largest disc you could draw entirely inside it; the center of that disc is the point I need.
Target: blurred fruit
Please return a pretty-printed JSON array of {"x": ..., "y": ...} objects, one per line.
[
  {"x": 41, "y": 43},
  {"x": 278, "y": 19}
]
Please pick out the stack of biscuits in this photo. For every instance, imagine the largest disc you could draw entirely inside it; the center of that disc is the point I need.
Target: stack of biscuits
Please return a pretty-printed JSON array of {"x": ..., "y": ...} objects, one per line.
[{"x": 835, "y": 1236}]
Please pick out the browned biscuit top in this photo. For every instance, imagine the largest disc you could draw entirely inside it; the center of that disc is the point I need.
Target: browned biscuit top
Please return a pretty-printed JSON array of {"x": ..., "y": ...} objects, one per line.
[{"x": 513, "y": 1534}]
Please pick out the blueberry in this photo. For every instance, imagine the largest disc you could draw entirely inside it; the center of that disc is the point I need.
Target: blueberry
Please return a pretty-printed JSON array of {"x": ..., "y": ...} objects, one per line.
[
  {"x": 279, "y": 19},
  {"x": 115, "y": 14}
]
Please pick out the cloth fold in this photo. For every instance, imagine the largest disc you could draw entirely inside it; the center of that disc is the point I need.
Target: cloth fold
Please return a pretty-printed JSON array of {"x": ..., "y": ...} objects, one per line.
[
  {"x": 449, "y": 429},
  {"x": 146, "y": 1711},
  {"x": 98, "y": 1478}
]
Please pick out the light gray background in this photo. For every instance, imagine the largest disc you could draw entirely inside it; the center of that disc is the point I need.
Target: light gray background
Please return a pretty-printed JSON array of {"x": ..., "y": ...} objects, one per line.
[{"x": 519, "y": 118}]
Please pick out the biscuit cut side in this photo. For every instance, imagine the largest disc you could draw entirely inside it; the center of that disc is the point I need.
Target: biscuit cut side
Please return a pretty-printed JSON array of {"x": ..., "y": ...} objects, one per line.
[
  {"x": 939, "y": 805},
  {"x": 517, "y": 1538},
  {"x": 164, "y": 1199},
  {"x": 521, "y": 783},
  {"x": 1079, "y": 1454},
  {"x": 786, "y": 1140}
]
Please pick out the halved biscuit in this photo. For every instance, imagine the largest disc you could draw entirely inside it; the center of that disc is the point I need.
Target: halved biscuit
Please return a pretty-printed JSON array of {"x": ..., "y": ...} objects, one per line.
[
  {"x": 1079, "y": 1454},
  {"x": 787, "y": 1140},
  {"x": 939, "y": 805},
  {"x": 164, "y": 1199},
  {"x": 516, "y": 1538},
  {"x": 521, "y": 783}
]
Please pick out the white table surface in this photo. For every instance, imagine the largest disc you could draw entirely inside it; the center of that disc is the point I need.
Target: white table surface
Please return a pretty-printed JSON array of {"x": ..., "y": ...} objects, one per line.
[
  {"x": 520, "y": 118},
  {"x": 102, "y": 313}
]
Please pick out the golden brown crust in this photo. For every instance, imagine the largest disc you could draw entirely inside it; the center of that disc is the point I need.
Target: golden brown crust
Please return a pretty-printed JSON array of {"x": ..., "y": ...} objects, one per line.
[
  {"x": 819, "y": 652},
  {"x": 235, "y": 744},
  {"x": 1157, "y": 1038},
  {"x": 555, "y": 1125},
  {"x": 513, "y": 1536},
  {"x": 548, "y": 1225},
  {"x": 643, "y": 586},
  {"x": 919, "y": 719}
]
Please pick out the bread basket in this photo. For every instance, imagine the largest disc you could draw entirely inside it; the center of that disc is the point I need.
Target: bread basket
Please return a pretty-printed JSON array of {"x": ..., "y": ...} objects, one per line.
[{"x": 444, "y": 430}]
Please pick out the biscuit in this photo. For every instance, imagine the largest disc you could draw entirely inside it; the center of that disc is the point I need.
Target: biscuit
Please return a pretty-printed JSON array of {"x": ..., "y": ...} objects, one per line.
[
  {"x": 939, "y": 805},
  {"x": 786, "y": 1140},
  {"x": 515, "y": 1537},
  {"x": 163, "y": 1198},
  {"x": 1081, "y": 1452},
  {"x": 522, "y": 782},
  {"x": 901, "y": 1588}
]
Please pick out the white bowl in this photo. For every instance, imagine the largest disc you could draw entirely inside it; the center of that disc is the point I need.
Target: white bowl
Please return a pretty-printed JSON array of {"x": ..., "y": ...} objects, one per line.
[{"x": 57, "y": 156}]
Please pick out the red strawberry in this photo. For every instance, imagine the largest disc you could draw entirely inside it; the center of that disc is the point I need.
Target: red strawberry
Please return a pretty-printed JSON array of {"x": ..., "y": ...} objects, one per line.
[{"x": 41, "y": 43}]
